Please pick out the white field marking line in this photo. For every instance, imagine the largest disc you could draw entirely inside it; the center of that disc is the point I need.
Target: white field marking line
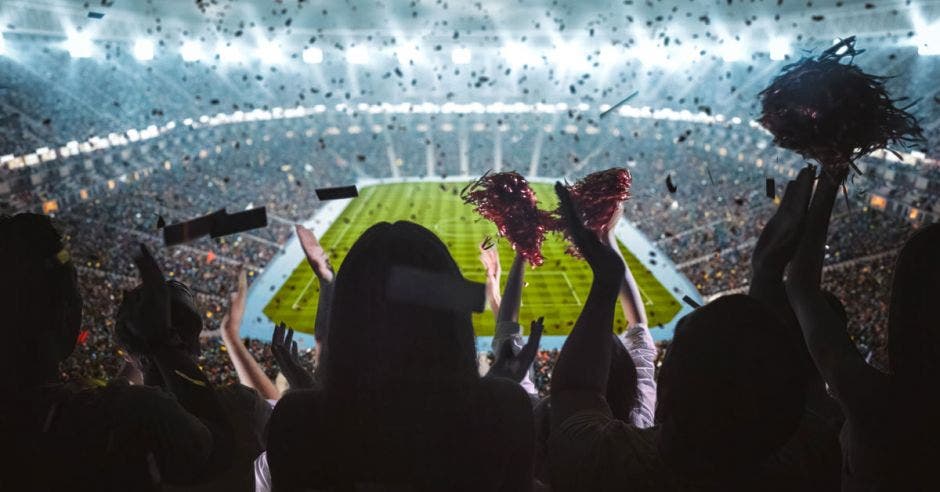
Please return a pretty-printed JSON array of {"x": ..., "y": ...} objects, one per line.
[
  {"x": 552, "y": 304},
  {"x": 303, "y": 292},
  {"x": 648, "y": 301},
  {"x": 571, "y": 288}
]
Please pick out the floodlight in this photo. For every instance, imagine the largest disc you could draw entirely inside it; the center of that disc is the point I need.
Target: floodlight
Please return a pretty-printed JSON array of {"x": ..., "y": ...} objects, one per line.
[
  {"x": 269, "y": 52},
  {"x": 143, "y": 49},
  {"x": 568, "y": 55},
  {"x": 779, "y": 48},
  {"x": 610, "y": 54},
  {"x": 732, "y": 51},
  {"x": 191, "y": 51},
  {"x": 228, "y": 53},
  {"x": 408, "y": 53},
  {"x": 357, "y": 55},
  {"x": 928, "y": 41},
  {"x": 313, "y": 55},
  {"x": 460, "y": 56},
  {"x": 519, "y": 54},
  {"x": 79, "y": 45},
  {"x": 651, "y": 53}
]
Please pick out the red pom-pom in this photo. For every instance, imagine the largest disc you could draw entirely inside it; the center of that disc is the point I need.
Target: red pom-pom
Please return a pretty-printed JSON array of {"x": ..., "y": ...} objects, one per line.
[
  {"x": 508, "y": 201},
  {"x": 599, "y": 197}
]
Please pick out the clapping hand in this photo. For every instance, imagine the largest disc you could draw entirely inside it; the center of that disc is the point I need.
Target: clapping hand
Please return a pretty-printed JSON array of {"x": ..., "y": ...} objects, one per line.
[
  {"x": 316, "y": 255},
  {"x": 489, "y": 256},
  {"x": 606, "y": 264},
  {"x": 288, "y": 359},
  {"x": 781, "y": 235},
  {"x": 232, "y": 321},
  {"x": 513, "y": 366}
]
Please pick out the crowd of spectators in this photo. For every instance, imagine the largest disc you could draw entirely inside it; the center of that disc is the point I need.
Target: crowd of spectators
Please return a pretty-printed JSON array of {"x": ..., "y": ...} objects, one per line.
[{"x": 707, "y": 226}]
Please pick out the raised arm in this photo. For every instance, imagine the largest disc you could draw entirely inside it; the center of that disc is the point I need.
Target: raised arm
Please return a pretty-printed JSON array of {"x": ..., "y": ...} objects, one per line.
[
  {"x": 583, "y": 366},
  {"x": 320, "y": 263},
  {"x": 249, "y": 371},
  {"x": 147, "y": 319},
  {"x": 631, "y": 301},
  {"x": 777, "y": 244},
  {"x": 489, "y": 256},
  {"x": 288, "y": 359},
  {"x": 508, "y": 330},
  {"x": 512, "y": 294},
  {"x": 833, "y": 352}
]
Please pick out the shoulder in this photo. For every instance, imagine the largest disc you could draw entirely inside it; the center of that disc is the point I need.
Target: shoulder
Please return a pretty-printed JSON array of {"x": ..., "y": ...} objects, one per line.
[{"x": 503, "y": 394}]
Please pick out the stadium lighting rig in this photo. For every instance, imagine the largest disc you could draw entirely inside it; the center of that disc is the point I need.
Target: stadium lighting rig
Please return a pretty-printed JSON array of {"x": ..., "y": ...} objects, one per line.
[
  {"x": 779, "y": 48},
  {"x": 357, "y": 55},
  {"x": 313, "y": 55},
  {"x": 143, "y": 50},
  {"x": 518, "y": 54},
  {"x": 228, "y": 53},
  {"x": 269, "y": 52},
  {"x": 928, "y": 40},
  {"x": 79, "y": 45},
  {"x": 409, "y": 53},
  {"x": 460, "y": 56},
  {"x": 191, "y": 51},
  {"x": 733, "y": 51}
]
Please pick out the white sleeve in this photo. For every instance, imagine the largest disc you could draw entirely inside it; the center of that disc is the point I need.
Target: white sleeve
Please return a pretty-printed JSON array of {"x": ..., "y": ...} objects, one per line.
[
  {"x": 262, "y": 473},
  {"x": 513, "y": 330},
  {"x": 639, "y": 344}
]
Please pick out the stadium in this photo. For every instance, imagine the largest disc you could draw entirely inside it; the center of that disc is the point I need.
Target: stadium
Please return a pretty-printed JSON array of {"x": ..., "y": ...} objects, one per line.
[{"x": 119, "y": 118}]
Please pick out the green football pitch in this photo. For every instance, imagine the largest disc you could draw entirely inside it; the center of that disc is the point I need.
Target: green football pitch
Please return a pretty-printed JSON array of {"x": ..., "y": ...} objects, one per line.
[{"x": 555, "y": 290}]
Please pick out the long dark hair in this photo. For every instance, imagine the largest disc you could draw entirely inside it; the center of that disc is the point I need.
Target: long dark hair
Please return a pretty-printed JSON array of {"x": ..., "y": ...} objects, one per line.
[
  {"x": 379, "y": 346},
  {"x": 39, "y": 298},
  {"x": 913, "y": 322}
]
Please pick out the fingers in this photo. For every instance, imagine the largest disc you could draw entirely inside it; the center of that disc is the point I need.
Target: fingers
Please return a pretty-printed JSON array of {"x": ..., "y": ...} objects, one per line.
[
  {"x": 505, "y": 354},
  {"x": 807, "y": 267},
  {"x": 570, "y": 214},
  {"x": 294, "y": 352},
  {"x": 289, "y": 338},
  {"x": 535, "y": 332},
  {"x": 531, "y": 347},
  {"x": 803, "y": 187},
  {"x": 799, "y": 191},
  {"x": 149, "y": 269},
  {"x": 242, "y": 281},
  {"x": 278, "y": 335}
]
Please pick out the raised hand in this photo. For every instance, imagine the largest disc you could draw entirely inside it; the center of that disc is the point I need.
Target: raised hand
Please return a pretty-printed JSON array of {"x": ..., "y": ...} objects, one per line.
[
  {"x": 288, "y": 359},
  {"x": 606, "y": 264},
  {"x": 232, "y": 321},
  {"x": 144, "y": 315},
  {"x": 781, "y": 235},
  {"x": 489, "y": 256},
  {"x": 316, "y": 255},
  {"x": 513, "y": 366}
]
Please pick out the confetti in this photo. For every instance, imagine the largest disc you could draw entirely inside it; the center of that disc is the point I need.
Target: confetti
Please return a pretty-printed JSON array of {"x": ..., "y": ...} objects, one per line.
[{"x": 337, "y": 193}]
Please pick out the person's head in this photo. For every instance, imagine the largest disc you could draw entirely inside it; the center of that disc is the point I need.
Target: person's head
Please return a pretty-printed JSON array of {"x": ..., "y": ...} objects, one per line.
[
  {"x": 376, "y": 343},
  {"x": 913, "y": 324},
  {"x": 39, "y": 297},
  {"x": 731, "y": 390},
  {"x": 185, "y": 324}
]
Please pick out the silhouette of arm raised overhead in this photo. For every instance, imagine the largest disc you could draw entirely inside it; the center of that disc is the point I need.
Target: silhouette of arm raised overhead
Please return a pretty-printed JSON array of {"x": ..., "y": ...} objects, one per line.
[
  {"x": 584, "y": 363},
  {"x": 249, "y": 371},
  {"x": 849, "y": 377}
]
